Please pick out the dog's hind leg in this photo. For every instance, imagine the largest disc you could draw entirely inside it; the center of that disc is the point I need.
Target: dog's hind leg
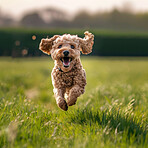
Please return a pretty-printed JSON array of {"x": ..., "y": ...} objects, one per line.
[
  {"x": 59, "y": 95},
  {"x": 74, "y": 93}
]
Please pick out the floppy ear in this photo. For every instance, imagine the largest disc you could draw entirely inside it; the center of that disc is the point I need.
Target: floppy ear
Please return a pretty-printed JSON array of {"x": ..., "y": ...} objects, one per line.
[
  {"x": 46, "y": 44},
  {"x": 86, "y": 43}
]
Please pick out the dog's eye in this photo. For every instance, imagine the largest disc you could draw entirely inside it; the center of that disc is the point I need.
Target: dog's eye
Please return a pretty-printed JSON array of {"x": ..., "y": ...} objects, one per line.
[
  {"x": 59, "y": 46},
  {"x": 72, "y": 46}
]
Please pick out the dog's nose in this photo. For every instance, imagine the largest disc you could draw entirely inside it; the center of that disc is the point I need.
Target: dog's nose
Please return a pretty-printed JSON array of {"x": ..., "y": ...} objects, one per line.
[{"x": 66, "y": 53}]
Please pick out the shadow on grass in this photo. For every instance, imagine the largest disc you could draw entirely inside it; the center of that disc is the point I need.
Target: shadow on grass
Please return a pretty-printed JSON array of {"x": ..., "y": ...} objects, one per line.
[{"x": 117, "y": 122}]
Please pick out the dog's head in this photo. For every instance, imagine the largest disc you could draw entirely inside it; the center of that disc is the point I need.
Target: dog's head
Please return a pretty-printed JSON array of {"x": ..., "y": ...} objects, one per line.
[{"x": 66, "y": 49}]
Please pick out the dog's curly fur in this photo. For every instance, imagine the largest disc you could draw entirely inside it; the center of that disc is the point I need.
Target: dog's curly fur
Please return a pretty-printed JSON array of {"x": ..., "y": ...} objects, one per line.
[{"x": 68, "y": 75}]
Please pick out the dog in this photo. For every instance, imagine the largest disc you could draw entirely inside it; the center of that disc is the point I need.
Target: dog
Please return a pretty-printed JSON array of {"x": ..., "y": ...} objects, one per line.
[{"x": 68, "y": 75}]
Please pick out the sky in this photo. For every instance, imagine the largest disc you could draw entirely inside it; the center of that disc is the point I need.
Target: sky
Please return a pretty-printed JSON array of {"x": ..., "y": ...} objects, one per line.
[{"x": 16, "y": 8}]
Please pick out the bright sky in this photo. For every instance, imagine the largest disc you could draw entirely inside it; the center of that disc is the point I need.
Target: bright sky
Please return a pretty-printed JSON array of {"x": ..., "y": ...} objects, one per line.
[{"x": 18, "y": 7}]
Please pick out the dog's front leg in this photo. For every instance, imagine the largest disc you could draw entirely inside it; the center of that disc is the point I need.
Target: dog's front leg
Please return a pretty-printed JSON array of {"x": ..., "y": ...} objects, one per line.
[
  {"x": 59, "y": 95},
  {"x": 74, "y": 93}
]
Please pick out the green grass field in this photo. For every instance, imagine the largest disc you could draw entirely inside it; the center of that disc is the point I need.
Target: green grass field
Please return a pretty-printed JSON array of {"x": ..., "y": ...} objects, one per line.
[{"x": 112, "y": 112}]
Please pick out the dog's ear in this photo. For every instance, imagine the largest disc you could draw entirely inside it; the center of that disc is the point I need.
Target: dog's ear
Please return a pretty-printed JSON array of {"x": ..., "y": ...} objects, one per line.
[
  {"x": 86, "y": 43},
  {"x": 46, "y": 44}
]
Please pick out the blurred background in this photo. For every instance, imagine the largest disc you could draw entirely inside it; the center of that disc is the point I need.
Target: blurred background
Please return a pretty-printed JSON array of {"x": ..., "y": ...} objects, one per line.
[{"x": 120, "y": 27}]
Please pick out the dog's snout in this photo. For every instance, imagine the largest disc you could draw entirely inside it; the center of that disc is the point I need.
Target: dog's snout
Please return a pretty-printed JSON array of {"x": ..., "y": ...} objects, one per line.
[{"x": 66, "y": 53}]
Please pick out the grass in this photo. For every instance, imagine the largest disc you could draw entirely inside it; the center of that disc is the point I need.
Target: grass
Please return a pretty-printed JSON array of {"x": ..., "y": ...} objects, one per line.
[{"x": 112, "y": 112}]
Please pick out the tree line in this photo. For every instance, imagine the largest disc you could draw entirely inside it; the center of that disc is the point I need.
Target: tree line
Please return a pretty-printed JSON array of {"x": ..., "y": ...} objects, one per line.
[{"x": 52, "y": 18}]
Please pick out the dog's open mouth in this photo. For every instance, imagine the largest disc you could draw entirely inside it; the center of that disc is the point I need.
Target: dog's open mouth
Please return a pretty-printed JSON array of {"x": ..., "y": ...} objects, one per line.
[{"x": 66, "y": 61}]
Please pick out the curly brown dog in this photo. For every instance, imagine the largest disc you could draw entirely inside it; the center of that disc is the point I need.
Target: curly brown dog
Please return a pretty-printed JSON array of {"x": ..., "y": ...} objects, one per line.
[{"x": 68, "y": 75}]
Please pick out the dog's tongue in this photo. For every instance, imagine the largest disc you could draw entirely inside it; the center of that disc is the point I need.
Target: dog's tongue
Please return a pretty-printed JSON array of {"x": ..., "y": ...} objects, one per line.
[{"x": 66, "y": 61}]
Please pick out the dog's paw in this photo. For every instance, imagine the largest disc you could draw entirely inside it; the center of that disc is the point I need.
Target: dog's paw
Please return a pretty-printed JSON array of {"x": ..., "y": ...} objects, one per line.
[
  {"x": 63, "y": 105},
  {"x": 71, "y": 102}
]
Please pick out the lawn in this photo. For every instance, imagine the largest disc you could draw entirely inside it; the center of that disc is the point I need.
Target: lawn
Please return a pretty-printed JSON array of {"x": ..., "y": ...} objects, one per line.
[{"x": 112, "y": 112}]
